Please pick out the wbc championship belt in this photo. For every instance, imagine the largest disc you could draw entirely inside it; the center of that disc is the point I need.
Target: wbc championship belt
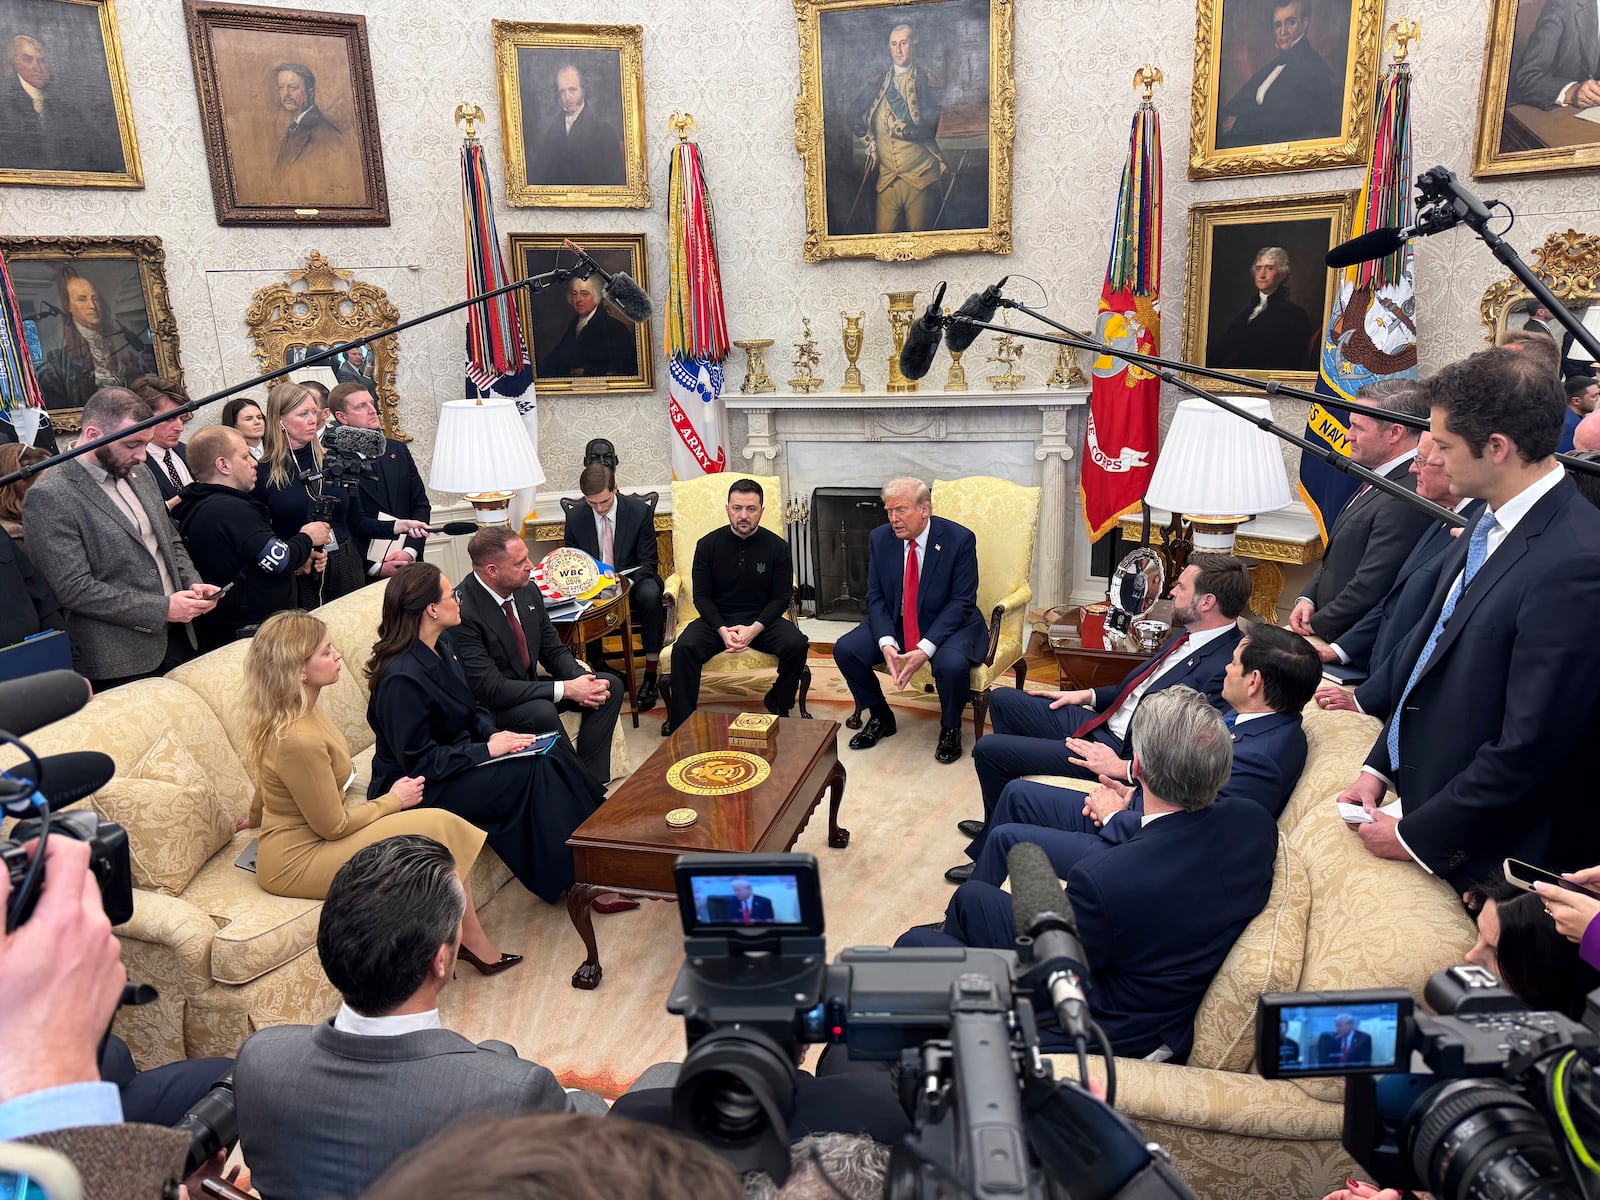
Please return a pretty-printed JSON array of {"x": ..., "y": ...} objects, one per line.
[{"x": 567, "y": 573}]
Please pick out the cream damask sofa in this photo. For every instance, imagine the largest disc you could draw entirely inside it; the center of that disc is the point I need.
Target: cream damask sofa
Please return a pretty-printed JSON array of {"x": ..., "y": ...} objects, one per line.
[
  {"x": 1338, "y": 918},
  {"x": 226, "y": 957}
]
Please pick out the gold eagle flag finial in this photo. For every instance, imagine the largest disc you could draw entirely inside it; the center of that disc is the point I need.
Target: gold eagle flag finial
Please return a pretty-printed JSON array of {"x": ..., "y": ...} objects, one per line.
[
  {"x": 681, "y": 123},
  {"x": 469, "y": 114},
  {"x": 1145, "y": 78},
  {"x": 1400, "y": 35}
]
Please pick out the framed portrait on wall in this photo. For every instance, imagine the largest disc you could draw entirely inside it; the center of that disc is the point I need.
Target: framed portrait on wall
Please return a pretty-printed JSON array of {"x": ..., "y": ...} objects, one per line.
[
  {"x": 1539, "y": 107},
  {"x": 1245, "y": 307},
  {"x": 290, "y": 120},
  {"x": 1282, "y": 85},
  {"x": 578, "y": 342},
  {"x": 904, "y": 125},
  {"x": 95, "y": 314},
  {"x": 572, "y": 114},
  {"x": 65, "y": 120}
]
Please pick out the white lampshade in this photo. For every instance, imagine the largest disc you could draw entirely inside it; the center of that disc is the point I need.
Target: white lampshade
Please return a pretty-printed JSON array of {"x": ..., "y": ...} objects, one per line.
[
  {"x": 1216, "y": 464},
  {"x": 482, "y": 449}
]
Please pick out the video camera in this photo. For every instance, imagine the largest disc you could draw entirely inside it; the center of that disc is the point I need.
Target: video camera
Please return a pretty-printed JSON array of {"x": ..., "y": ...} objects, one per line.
[
  {"x": 990, "y": 1120},
  {"x": 347, "y": 457},
  {"x": 1507, "y": 1104}
]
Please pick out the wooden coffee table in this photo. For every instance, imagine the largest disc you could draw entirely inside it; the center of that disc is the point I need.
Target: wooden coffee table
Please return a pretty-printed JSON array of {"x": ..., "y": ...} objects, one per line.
[{"x": 627, "y": 847}]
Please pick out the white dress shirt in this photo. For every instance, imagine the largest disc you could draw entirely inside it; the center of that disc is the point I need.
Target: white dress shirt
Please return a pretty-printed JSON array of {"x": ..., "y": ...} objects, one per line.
[
  {"x": 571, "y": 117},
  {"x": 1119, "y": 721},
  {"x": 921, "y": 543},
  {"x": 533, "y": 653},
  {"x": 350, "y": 1021}
]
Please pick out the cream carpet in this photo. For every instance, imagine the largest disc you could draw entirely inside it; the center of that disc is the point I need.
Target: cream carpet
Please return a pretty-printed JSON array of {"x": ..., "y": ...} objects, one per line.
[{"x": 901, "y": 808}]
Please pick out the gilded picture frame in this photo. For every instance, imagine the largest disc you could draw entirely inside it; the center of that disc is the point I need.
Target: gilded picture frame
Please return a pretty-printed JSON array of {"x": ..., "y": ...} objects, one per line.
[
  {"x": 1280, "y": 86},
  {"x": 1226, "y": 240},
  {"x": 289, "y": 115},
  {"x": 1569, "y": 265},
  {"x": 572, "y": 114},
  {"x": 614, "y": 354},
  {"x": 320, "y": 306},
  {"x": 1526, "y": 124},
  {"x": 72, "y": 290},
  {"x": 81, "y": 134},
  {"x": 946, "y": 134}
]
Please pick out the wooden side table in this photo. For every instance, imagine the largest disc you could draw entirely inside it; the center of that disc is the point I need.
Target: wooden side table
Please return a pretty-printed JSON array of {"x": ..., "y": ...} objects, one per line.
[
  {"x": 1086, "y": 660},
  {"x": 597, "y": 622}
]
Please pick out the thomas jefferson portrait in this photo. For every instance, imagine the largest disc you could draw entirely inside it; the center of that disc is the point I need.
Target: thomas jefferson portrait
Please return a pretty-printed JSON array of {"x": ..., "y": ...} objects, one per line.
[
  {"x": 1282, "y": 71},
  {"x": 1271, "y": 332},
  {"x": 571, "y": 115},
  {"x": 57, "y": 112},
  {"x": 92, "y": 325}
]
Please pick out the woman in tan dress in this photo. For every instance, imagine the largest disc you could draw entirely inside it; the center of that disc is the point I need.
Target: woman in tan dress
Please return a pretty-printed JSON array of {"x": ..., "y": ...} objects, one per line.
[{"x": 303, "y": 768}]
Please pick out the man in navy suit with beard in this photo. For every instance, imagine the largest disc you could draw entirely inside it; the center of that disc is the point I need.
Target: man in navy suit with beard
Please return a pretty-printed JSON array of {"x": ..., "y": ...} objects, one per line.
[
  {"x": 1492, "y": 700},
  {"x": 922, "y": 607}
]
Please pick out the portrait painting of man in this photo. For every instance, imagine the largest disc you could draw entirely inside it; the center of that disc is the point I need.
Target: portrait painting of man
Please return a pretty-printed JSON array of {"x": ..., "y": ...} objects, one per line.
[
  {"x": 577, "y": 341},
  {"x": 291, "y": 125},
  {"x": 1541, "y": 104},
  {"x": 64, "y": 115},
  {"x": 571, "y": 99},
  {"x": 904, "y": 123}
]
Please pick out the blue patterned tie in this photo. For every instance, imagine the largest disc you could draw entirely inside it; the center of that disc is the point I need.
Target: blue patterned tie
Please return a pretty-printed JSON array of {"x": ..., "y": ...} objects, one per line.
[
  {"x": 1477, "y": 551},
  {"x": 1230, "y": 719}
]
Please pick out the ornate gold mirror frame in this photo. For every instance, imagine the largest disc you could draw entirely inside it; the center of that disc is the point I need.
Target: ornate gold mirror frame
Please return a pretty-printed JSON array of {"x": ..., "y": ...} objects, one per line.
[
  {"x": 319, "y": 307},
  {"x": 1569, "y": 265}
]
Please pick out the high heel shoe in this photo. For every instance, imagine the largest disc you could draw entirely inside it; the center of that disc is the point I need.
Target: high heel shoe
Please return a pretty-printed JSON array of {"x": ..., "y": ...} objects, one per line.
[{"x": 504, "y": 963}]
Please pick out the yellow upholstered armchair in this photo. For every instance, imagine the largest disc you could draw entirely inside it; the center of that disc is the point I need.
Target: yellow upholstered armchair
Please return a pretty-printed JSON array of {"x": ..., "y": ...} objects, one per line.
[
  {"x": 698, "y": 507},
  {"x": 1004, "y": 517}
]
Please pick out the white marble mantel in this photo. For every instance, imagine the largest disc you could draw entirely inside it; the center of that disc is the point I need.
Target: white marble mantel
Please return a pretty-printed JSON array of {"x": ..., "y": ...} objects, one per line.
[{"x": 835, "y": 439}]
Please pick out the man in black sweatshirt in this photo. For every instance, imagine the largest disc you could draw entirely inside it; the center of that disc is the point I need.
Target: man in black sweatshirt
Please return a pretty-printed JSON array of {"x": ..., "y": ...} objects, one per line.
[
  {"x": 231, "y": 540},
  {"x": 743, "y": 580}
]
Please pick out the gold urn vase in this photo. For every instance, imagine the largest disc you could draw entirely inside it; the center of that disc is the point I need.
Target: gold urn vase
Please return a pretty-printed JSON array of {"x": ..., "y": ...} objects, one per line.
[
  {"x": 854, "y": 336},
  {"x": 902, "y": 312}
]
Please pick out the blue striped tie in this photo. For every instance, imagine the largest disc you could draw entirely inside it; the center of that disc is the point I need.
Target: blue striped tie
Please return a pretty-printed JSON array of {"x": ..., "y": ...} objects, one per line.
[{"x": 1477, "y": 551}]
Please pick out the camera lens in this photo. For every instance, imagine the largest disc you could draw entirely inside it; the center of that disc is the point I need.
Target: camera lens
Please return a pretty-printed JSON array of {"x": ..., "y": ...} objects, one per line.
[
  {"x": 725, "y": 1108},
  {"x": 1473, "y": 1137},
  {"x": 736, "y": 1093}
]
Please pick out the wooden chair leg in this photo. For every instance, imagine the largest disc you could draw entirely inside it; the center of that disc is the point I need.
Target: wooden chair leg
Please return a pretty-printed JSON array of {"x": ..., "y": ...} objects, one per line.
[
  {"x": 664, "y": 686},
  {"x": 805, "y": 688},
  {"x": 1021, "y": 669},
  {"x": 980, "y": 712},
  {"x": 853, "y": 721}
]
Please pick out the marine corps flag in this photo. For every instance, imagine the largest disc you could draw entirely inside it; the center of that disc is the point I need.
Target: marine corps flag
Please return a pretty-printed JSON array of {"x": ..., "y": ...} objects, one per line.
[
  {"x": 1119, "y": 442},
  {"x": 1373, "y": 332}
]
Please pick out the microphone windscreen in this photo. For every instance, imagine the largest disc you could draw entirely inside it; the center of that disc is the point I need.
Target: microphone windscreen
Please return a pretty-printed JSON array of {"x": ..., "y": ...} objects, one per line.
[
  {"x": 978, "y": 307},
  {"x": 922, "y": 343},
  {"x": 346, "y": 439},
  {"x": 455, "y": 528},
  {"x": 35, "y": 700},
  {"x": 1034, "y": 887},
  {"x": 1375, "y": 243},
  {"x": 67, "y": 778},
  {"x": 628, "y": 298}
]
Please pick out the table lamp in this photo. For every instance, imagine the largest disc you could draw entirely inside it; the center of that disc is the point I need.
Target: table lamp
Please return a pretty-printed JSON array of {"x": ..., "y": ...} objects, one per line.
[
  {"x": 482, "y": 450},
  {"x": 1218, "y": 471}
]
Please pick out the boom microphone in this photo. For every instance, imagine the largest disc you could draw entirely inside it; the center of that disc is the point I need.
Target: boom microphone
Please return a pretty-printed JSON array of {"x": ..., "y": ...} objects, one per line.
[
  {"x": 63, "y": 779},
  {"x": 979, "y": 307},
  {"x": 1043, "y": 912},
  {"x": 347, "y": 439},
  {"x": 455, "y": 528},
  {"x": 26, "y": 704},
  {"x": 626, "y": 296},
  {"x": 922, "y": 342}
]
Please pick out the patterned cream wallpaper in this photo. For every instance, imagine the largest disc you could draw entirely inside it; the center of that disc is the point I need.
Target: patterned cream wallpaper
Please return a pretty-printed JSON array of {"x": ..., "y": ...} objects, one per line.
[{"x": 733, "y": 64}]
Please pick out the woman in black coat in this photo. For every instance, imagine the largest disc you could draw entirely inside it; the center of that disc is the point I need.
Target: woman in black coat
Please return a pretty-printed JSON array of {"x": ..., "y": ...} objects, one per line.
[{"x": 429, "y": 724}]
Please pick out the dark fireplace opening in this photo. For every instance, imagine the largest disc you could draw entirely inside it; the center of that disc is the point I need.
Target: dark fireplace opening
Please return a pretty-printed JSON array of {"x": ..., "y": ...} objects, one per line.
[{"x": 842, "y": 519}]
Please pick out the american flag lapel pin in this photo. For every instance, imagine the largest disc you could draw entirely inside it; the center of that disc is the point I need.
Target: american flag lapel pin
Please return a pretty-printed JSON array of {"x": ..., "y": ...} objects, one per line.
[{"x": 936, "y": 546}]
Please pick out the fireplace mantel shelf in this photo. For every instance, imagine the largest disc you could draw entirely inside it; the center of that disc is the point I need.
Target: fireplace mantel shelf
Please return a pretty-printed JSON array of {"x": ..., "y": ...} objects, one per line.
[{"x": 846, "y": 401}]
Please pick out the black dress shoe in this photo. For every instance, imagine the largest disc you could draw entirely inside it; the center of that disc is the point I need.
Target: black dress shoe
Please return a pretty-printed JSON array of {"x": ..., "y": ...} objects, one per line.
[
  {"x": 949, "y": 748},
  {"x": 873, "y": 732},
  {"x": 970, "y": 828},
  {"x": 959, "y": 874},
  {"x": 648, "y": 694},
  {"x": 504, "y": 962}
]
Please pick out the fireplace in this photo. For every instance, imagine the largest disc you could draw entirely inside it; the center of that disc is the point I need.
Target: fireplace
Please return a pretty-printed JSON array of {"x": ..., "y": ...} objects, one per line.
[{"x": 842, "y": 519}]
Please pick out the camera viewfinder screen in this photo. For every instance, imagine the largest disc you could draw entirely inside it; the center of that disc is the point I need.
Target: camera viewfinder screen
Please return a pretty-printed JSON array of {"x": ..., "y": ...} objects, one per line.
[
  {"x": 1325, "y": 1038},
  {"x": 746, "y": 899}
]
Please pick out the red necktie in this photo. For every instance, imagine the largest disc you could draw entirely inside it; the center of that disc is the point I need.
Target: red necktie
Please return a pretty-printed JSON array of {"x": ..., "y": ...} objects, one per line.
[
  {"x": 1150, "y": 668},
  {"x": 516, "y": 633},
  {"x": 747, "y": 912},
  {"x": 908, "y": 603}
]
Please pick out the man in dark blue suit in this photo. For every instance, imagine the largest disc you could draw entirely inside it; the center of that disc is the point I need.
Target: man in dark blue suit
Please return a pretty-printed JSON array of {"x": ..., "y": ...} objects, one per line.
[
  {"x": 1031, "y": 728},
  {"x": 922, "y": 607},
  {"x": 1271, "y": 678},
  {"x": 1158, "y": 914},
  {"x": 397, "y": 491},
  {"x": 1492, "y": 700}
]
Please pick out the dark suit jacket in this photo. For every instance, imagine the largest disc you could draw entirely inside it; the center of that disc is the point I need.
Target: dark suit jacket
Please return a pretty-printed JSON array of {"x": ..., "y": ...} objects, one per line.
[
  {"x": 1303, "y": 103},
  {"x": 1269, "y": 752},
  {"x": 314, "y": 127},
  {"x": 397, "y": 490},
  {"x": 157, "y": 464},
  {"x": 947, "y": 588},
  {"x": 27, "y": 605},
  {"x": 590, "y": 153},
  {"x": 1277, "y": 340},
  {"x": 426, "y": 718},
  {"x": 725, "y": 909},
  {"x": 1378, "y": 634},
  {"x": 1496, "y": 743},
  {"x": 1360, "y": 1049},
  {"x": 1201, "y": 669},
  {"x": 489, "y": 655},
  {"x": 605, "y": 347},
  {"x": 633, "y": 540},
  {"x": 1563, "y": 47},
  {"x": 61, "y": 140},
  {"x": 1370, "y": 539},
  {"x": 1158, "y": 914},
  {"x": 308, "y": 1136}
]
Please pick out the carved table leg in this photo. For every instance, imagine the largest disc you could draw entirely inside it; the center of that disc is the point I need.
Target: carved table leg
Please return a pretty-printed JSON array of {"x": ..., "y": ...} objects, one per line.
[
  {"x": 837, "y": 838},
  {"x": 579, "y": 897}
]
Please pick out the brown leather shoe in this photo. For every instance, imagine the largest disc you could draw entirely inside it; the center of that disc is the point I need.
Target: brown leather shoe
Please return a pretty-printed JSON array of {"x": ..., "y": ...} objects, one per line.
[{"x": 504, "y": 963}]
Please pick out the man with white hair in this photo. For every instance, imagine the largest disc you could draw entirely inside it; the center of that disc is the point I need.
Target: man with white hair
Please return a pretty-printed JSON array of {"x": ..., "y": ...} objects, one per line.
[
  {"x": 922, "y": 608},
  {"x": 1273, "y": 333},
  {"x": 596, "y": 343}
]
